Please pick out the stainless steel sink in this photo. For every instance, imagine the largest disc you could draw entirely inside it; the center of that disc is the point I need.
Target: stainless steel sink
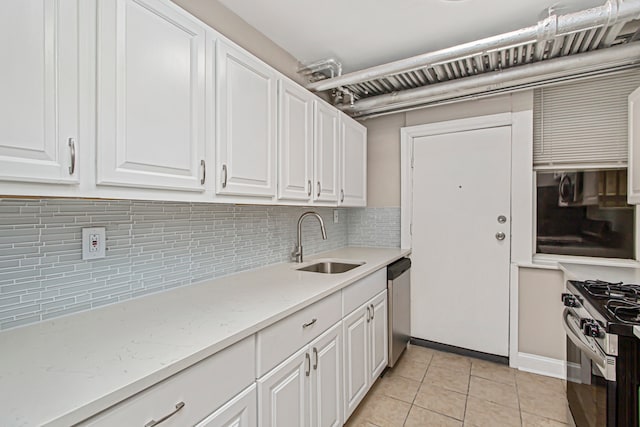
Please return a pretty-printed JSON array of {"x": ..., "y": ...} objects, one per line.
[{"x": 330, "y": 267}]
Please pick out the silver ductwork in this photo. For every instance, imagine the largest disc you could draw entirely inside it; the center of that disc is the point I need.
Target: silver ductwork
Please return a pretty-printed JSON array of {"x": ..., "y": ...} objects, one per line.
[
  {"x": 501, "y": 81},
  {"x": 491, "y": 62}
]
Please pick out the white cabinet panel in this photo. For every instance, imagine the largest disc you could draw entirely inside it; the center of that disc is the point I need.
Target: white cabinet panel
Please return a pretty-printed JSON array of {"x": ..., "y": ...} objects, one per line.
[
  {"x": 633, "y": 196},
  {"x": 151, "y": 86},
  {"x": 246, "y": 111},
  {"x": 379, "y": 337},
  {"x": 326, "y": 152},
  {"x": 238, "y": 412},
  {"x": 283, "y": 394},
  {"x": 39, "y": 91},
  {"x": 295, "y": 142},
  {"x": 326, "y": 379},
  {"x": 365, "y": 349},
  {"x": 356, "y": 359},
  {"x": 353, "y": 161}
]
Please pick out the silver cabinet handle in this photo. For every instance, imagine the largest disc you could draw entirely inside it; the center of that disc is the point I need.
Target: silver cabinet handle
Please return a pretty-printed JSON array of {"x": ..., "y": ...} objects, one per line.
[
  {"x": 204, "y": 171},
  {"x": 319, "y": 188},
  {"x": 342, "y": 196},
  {"x": 306, "y": 325},
  {"x": 373, "y": 312},
  {"x": 224, "y": 174},
  {"x": 72, "y": 153},
  {"x": 502, "y": 219},
  {"x": 308, "y": 362},
  {"x": 315, "y": 354},
  {"x": 152, "y": 423},
  {"x": 368, "y": 313},
  {"x": 309, "y": 192},
  {"x": 500, "y": 235}
]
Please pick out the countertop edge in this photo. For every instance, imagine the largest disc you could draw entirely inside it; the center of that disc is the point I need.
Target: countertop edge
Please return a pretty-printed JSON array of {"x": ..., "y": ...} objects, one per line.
[{"x": 103, "y": 403}]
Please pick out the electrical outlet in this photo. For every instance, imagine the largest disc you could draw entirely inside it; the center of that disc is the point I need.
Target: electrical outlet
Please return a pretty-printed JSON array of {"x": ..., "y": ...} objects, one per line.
[
  {"x": 94, "y": 242},
  {"x": 336, "y": 217}
]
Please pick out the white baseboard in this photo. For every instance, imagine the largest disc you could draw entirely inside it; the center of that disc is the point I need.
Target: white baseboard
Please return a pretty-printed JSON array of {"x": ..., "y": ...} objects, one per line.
[{"x": 541, "y": 365}]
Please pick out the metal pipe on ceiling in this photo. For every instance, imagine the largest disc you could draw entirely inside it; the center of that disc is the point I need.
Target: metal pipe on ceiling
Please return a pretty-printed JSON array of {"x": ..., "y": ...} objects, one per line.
[
  {"x": 612, "y": 57},
  {"x": 608, "y": 14}
]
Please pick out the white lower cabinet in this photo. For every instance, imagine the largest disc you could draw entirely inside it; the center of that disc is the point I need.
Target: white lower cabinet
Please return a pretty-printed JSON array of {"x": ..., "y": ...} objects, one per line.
[
  {"x": 189, "y": 396},
  {"x": 238, "y": 412},
  {"x": 306, "y": 389},
  {"x": 365, "y": 349}
]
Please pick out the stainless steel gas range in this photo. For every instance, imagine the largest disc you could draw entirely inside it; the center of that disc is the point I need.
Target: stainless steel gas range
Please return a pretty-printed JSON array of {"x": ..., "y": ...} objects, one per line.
[{"x": 603, "y": 354}]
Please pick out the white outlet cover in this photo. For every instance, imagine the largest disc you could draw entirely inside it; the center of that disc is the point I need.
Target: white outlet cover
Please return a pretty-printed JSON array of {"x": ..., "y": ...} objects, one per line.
[{"x": 94, "y": 242}]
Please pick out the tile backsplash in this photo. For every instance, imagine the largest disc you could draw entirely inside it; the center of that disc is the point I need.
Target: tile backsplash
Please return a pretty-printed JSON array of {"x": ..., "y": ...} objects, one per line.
[
  {"x": 374, "y": 227},
  {"x": 152, "y": 246}
]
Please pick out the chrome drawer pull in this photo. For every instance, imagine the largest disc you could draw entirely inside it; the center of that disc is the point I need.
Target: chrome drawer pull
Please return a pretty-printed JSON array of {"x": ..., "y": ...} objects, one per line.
[
  {"x": 368, "y": 313},
  {"x": 315, "y": 364},
  {"x": 72, "y": 153},
  {"x": 307, "y": 358},
  {"x": 306, "y": 325},
  {"x": 152, "y": 423},
  {"x": 224, "y": 172},
  {"x": 373, "y": 312},
  {"x": 204, "y": 171}
]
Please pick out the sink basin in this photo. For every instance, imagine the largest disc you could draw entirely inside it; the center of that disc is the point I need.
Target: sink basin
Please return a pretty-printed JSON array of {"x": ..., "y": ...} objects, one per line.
[{"x": 330, "y": 267}]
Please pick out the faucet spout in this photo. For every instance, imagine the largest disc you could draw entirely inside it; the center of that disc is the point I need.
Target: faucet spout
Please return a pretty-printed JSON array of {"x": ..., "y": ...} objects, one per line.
[{"x": 297, "y": 252}]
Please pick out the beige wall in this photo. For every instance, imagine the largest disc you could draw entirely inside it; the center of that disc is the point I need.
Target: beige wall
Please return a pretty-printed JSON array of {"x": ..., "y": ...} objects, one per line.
[
  {"x": 235, "y": 28},
  {"x": 540, "y": 313},
  {"x": 383, "y": 160}
]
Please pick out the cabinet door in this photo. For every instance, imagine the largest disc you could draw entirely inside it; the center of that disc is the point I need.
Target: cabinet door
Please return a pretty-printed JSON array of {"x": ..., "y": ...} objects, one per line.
[
  {"x": 283, "y": 393},
  {"x": 353, "y": 161},
  {"x": 326, "y": 380},
  {"x": 151, "y": 85},
  {"x": 356, "y": 359},
  {"x": 238, "y": 412},
  {"x": 246, "y": 124},
  {"x": 326, "y": 150},
  {"x": 378, "y": 343},
  {"x": 633, "y": 196},
  {"x": 39, "y": 91},
  {"x": 295, "y": 142}
]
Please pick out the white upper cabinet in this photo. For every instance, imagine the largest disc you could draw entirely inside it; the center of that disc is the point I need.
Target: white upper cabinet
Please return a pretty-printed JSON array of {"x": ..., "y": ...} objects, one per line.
[
  {"x": 326, "y": 152},
  {"x": 150, "y": 95},
  {"x": 353, "y": 163},
  {"x": 246, "y": 113},
  {"x": 295, "y": 142},
  {"x": 633, "y": 193},
  {"x": 39, "y": 91}
]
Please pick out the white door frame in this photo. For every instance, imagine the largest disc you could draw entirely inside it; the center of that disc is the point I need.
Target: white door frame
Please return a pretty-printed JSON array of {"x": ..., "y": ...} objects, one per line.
[{"x": 522, "y": 196}]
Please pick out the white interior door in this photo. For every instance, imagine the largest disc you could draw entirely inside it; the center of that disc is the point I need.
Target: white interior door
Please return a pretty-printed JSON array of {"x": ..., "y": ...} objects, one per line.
[{"x": 460, "y": 270}]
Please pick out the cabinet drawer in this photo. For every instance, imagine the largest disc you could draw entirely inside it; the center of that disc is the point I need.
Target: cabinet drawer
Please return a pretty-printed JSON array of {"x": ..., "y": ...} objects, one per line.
[
  {"x": 202, "y": 387},
  {"x": 282, "y": 339},
  {"x": 363, "y": 290}
]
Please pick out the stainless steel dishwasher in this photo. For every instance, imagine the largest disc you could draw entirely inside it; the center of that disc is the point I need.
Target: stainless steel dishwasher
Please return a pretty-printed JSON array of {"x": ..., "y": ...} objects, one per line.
[{"x": 399, "y": 294}]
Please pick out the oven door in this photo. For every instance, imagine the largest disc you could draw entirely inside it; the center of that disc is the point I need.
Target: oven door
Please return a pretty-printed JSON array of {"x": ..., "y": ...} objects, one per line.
[{"x": 590, "y": 395}]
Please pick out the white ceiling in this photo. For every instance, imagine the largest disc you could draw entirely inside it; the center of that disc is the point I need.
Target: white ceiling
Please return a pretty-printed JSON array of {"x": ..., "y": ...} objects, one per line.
[{"x": 363, "y": 33}]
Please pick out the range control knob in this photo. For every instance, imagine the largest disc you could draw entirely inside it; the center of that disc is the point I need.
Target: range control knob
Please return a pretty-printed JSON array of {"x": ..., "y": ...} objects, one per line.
[
  {"x": 569, "y": 300},
  {"x": 592, "y": 329}
]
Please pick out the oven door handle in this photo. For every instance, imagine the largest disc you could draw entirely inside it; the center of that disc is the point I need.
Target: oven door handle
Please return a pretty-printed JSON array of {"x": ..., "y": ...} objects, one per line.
[{"x": 577, "y": 340}]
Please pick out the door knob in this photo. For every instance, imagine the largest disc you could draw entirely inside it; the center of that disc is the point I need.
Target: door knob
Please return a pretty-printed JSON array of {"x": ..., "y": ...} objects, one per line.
[{"x": 500, "y": 235}]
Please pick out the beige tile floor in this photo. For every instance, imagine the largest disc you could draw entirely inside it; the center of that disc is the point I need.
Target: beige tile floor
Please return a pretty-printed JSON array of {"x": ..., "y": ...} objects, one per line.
[{"x": 431, "y": 388}]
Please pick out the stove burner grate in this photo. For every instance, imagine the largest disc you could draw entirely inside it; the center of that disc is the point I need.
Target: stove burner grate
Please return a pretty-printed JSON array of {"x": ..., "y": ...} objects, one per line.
[
  {"x": 602, "y": 289},
  {"x": 624, "y": 310}
]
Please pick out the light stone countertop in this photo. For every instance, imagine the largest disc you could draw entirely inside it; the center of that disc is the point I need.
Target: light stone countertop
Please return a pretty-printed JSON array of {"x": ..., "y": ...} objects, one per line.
[
  {"x": 62, "y": 371},
  {"x": 573, "y": 271}
]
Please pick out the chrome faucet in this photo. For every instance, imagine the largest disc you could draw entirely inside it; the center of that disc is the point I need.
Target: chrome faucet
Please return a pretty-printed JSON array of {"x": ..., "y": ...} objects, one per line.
[{"x": 297, "y": 252}]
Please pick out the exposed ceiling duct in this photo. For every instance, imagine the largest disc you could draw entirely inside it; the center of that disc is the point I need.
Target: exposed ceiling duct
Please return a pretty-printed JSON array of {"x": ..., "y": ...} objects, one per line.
[{"x": 588, "y": 41}]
